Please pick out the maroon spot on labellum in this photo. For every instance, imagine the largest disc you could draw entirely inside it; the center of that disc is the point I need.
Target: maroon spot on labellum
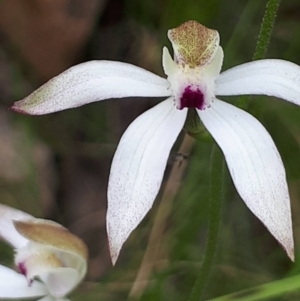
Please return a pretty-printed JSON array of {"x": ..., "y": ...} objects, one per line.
[
  {"x": 191, "y": 99},
  {"x": 22, "y": 268}
]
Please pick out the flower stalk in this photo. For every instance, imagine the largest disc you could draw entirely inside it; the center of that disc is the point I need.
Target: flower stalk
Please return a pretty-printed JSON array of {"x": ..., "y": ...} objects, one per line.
[
  {"x": 266, "y": 29},
  {"x": 263, "y": 40},
  {"x": 216, "y": 195}
]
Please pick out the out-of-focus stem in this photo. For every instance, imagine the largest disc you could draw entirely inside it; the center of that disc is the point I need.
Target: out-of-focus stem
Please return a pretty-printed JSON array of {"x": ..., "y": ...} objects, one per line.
[
  {"x": 216, "y": 179},
  {"x": 155, "y": 241}
]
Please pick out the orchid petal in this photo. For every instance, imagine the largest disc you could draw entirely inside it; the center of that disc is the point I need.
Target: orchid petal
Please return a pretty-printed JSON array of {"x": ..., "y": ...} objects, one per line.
[
  {"x": 90, "y": 82},
  {"x": 55, "y": 238},
  {"x": 169, "y": 66},
  {"x": 60, "y": 281},
  {"x": 255, "y": 167},
  {"x": 213, "y": 69},
  {"x": 137, "y": 170},
  {"x": 74, "y": 261},
  {"x": 271, "y": 77},
  {"x": 15, "y": 285},
  {"x": 7, "y": 228}
]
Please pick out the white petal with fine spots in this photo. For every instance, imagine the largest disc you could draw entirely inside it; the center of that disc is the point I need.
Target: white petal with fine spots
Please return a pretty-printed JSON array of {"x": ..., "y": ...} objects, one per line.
[
  {"x": 271, "y": 77},
  {"x": 255, "y": 167},
  {"x": 89, "y": 82},
  {"x": 137, "y": 170}
]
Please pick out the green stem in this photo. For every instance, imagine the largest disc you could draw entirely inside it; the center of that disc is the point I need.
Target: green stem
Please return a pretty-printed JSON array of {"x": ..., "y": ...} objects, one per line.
[
  {"x": 215, "y": 210},
  {"x": 263, "y": 40},
  {"x": 265, "y": 291},
  {"x": 266, "y": 29}
]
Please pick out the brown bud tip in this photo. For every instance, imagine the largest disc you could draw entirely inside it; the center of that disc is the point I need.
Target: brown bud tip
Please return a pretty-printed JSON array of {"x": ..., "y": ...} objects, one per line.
[{"x": 194, "y": 44}]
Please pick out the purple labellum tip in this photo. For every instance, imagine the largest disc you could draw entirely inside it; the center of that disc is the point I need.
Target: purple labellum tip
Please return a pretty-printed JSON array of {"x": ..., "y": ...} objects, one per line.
[{"x": 22, "y": 268}]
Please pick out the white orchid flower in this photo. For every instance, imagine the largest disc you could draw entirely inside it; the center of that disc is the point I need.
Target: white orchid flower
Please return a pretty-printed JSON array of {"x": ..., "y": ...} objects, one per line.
[
  {"x": 193, "y": 81},
  {"x": 50, "y": 260}
]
